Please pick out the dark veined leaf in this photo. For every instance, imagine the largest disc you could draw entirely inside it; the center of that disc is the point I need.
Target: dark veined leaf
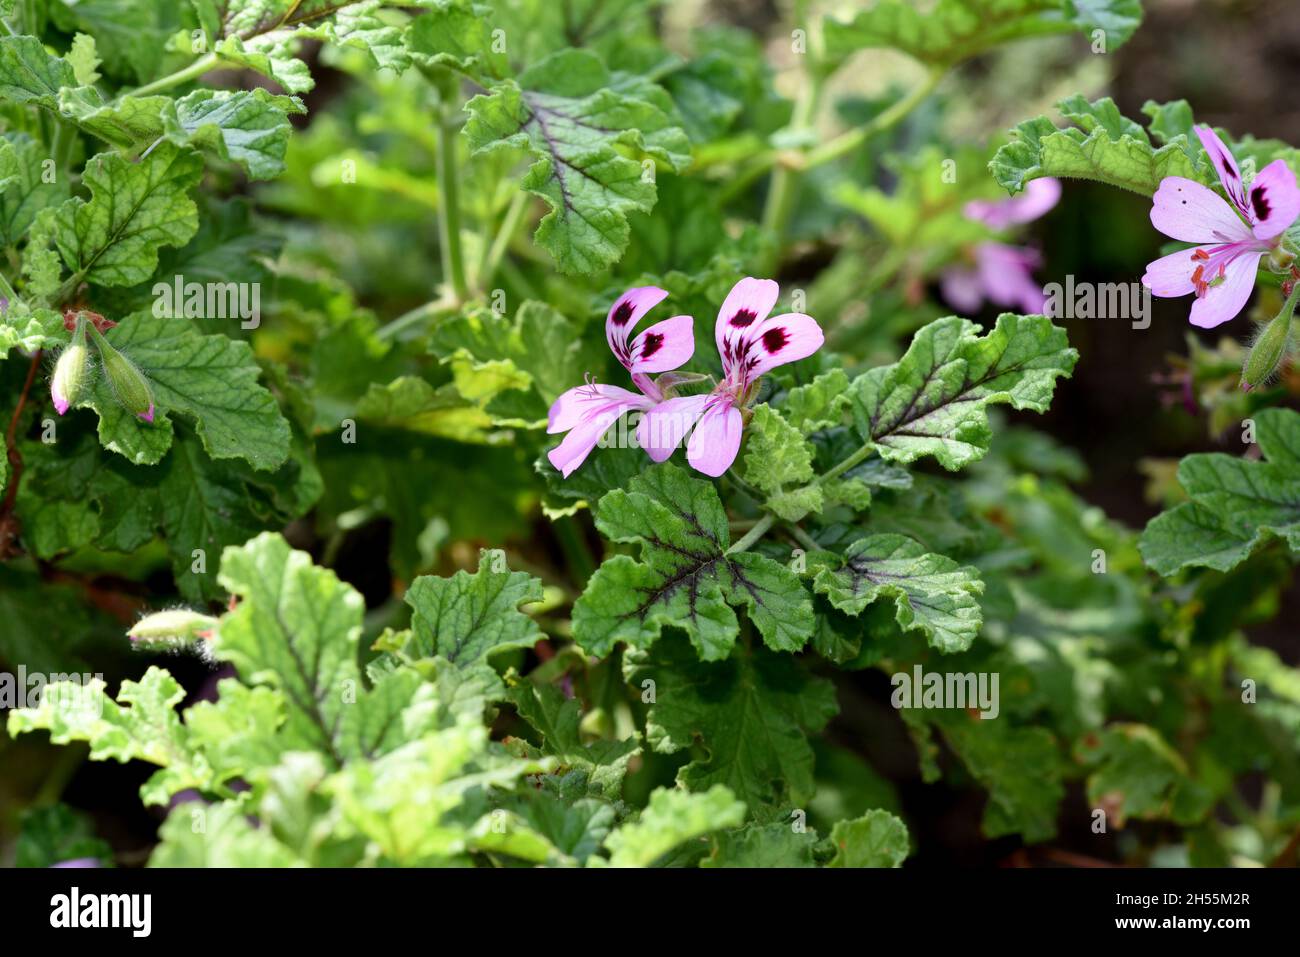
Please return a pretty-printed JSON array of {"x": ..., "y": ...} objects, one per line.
[
  {"x": 685, "y": 577},
  {"x": 933, "y": 401}
]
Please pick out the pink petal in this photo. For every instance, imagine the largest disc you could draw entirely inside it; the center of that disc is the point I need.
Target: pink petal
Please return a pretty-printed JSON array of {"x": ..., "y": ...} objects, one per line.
[
  {"x": 61, "y": 402},
  {"x": 1039, "y": 197},
  {"x": 584, "y": 436},
  {"x": 962, "y": 289},
  {"x": 1006, "y": 274},
  {"x": 716, "y": 440},
  {"x": 782, "y": 339},
  {"x": 1222, "y": 302},
  {"x": 583, "y": 401},
  {"x": 749, "y": 302},
  {"x": 1184, "y": 209},
  {"x": 626, "y": 312},
  {"x": 663, "y": 427},
  {"x": 1171, "y": 276},
  {"x": 665, "y": 345},
  {"x": 1274, "y": 199},
  {"x": 1226, "y": 164}
]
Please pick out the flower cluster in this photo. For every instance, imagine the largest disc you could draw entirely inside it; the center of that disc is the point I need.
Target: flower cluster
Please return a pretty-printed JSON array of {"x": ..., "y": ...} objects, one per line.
[{"x": 750, "y": 342}]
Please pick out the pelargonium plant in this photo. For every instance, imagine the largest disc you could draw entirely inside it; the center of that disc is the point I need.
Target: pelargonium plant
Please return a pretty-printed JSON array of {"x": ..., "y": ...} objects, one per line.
[{"x": 502, "y": 433}]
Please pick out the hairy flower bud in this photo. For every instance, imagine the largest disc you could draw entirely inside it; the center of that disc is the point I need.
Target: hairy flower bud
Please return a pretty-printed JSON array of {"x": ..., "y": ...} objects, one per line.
[
  {"x": 130, "y": 385},
  {"x": 177, "y": 624},
  {"x": 1269, "y": 350},
  {"x": 71, "y": 372}
]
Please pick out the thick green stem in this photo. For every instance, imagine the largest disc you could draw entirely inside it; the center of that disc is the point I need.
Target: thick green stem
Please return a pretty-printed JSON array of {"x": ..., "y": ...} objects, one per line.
[
  {"x": 501, "y": 242},
  {"x": 753, "y": 535},
  {"x": 453, "y": 256},
  {"x": 192, "y": 72},
  {"x": 785, "y": 181},
  {"x": 884, "y": 121},
  {"x": 861, "y": 455}
]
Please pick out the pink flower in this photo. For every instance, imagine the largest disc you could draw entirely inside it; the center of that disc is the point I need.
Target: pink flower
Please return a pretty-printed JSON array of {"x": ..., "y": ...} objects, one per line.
[
  {"x": 587, "y": 411},
  {"x": 1003, "y": 274},
  {"x": 750, "y": 342},
  {"x": 1037, "y": 199},
  {"x": 1222, "y": 270}
]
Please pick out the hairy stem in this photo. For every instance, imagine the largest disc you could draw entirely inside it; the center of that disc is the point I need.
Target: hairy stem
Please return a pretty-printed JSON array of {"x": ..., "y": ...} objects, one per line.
[
  {"x": 501, "y": 242},
  {"x": 753, "y": 535},
  {"x": 195, "y": 70},
  {"x": 882, "y": 122},
  {"x": 453, "y": 256}
]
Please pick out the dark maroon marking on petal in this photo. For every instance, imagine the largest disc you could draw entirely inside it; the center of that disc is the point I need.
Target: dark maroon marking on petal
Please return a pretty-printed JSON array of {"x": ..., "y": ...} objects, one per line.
[
  {"x": 622, "y": 313},
  {"x": 743, "y": 317},
  {"x": 774, "y": 340},
  {"x": 651, "y": 344},
  {"x": 1259, "y": 199},
  {"x": 1227, "y": 166}
]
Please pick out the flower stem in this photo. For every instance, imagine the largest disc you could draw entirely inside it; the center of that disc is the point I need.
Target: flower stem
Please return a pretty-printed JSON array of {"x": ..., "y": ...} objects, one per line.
[
  {"x": 453, "y": 257},
  {"x": 192, "y": 72},
  {"x": 882, "y": 122},
  {"x": 857, "y": 458},
  {"x": 501, "y": 242},
  {"x": 804, "y": 539},
  {"x": 753, "y": 535},
  {"x": 785, "y": 180}
]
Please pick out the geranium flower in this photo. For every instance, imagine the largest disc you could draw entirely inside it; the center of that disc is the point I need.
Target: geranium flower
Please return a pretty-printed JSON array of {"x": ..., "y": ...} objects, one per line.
[
  {"x": 1002, "y": 274},
  {"x": 587, "y": 411},
  {"x": 750, "y": 343},
  {"x": 1233, "y": 233}
]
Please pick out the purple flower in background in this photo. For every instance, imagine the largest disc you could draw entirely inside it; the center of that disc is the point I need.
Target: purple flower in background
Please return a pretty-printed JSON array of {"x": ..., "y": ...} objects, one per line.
[
  {"x": 1001, "y": 273},
  {"x": 751, "y": 343},
  {"x": 1233, "y": 236},
  {"x": 587, "y": 411}
]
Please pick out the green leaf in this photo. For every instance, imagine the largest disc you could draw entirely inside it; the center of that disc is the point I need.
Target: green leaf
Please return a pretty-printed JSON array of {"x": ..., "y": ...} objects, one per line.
[
  {"x": 1137, "y": 774},
  {"x": 932, "y": 593},
  {"x": 467, "y": 618},
  {"x": 248, "y": 127},
  {"x": 1105, "y": 147},
  {"x": 56, "y": 833},
  {"x": 934, "y": 400},
  {"x": 141, "y": 724},
  {"x": 1021, "y": 768},
  {"x": 456, "y": 33},
  {"x": 209, "y": 379},
  {"x": 877, "y": 839},
  {"x": 227, "y": 839},
  {"x": 556, "y": 718},
  {"x": 750, "y": 714},
  {"x": 777, "y": 455},
  {"x": 135, "y": 208},
  {"x": 571, "y": 114},
  {"x": 24, "y": 191},
  {"x": 949, "y": 31},
  {"x": 818, "y": 405},
  {"x": 762, "y": 845},
  {"x": 685, "y": 578},
  {"x": 30, "y": 75},
  {"x": 672, "y": 818},
  {"x": 1236, "y": 505},
  {"x": 84, "y": 59},
  {"x": 296, "y": 630}
]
